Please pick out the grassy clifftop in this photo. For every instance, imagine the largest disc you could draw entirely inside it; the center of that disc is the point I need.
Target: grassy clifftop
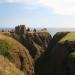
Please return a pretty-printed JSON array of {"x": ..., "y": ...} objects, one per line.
[
  {"x": 70, "y": 37},
  {"x": 15, "y": 52}
]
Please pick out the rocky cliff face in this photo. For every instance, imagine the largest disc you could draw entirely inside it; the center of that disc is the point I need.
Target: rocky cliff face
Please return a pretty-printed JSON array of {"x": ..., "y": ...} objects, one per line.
[
  {"x": 35, "y": 42},
  {"x": 25, "y": 49},
  {"x": 60, "y": 59}
]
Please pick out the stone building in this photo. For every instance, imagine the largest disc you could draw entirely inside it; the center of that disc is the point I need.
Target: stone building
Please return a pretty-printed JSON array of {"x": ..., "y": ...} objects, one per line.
[{"x": 21, "y": 29}]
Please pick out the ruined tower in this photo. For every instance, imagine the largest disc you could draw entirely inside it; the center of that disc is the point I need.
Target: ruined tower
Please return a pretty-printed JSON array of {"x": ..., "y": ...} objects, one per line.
[{"x": 21, "y": 29}]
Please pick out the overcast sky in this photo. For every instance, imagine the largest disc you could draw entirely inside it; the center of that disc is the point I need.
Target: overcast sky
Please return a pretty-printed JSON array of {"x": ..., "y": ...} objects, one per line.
[{"x": 37, "y": 13}]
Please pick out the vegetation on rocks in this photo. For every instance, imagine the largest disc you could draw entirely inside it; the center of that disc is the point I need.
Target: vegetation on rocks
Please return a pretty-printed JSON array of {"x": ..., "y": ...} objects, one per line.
[
  {"x": 59, "y": 59},
  {"x": 4, "y": 48},
  {"x": 31, "y": 39},
  {"x": 16, "y": 53}
]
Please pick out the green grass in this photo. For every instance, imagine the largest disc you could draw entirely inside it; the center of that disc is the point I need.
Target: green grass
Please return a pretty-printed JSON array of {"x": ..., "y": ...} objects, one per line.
[
  {"x": 9, "y": 44},
  {"x": 72, "y": 54},
  {"x": 4, "y": 47},
  {"x": 70, "y": 37}
]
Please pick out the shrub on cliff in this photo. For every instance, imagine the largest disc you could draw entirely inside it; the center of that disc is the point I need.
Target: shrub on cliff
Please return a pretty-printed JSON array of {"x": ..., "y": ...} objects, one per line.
[{"x": 4, "y": 48}]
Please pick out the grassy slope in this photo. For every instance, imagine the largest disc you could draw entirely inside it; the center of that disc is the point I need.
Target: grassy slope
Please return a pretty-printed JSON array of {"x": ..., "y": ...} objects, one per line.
[
  {"x": 15, "y": 45},
  {"x": 70, "y": 37},
  {"x": 10, "y": 41},
  {"x": 7, "y": 68},
  {"x": 6, "y": 33}
]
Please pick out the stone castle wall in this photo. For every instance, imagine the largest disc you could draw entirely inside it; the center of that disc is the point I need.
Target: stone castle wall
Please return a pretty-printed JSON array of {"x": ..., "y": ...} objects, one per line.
[{"x": 20, "y": 29}]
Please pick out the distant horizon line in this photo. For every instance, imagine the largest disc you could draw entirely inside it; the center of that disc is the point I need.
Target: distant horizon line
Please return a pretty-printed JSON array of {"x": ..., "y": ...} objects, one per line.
[{"x": 13, "y": 26}]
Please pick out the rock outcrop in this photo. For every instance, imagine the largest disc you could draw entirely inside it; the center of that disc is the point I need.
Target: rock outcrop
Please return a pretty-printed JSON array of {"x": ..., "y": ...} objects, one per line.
[
  {"x": 56, "y": 38},
  {"x": 60, "y": 59},
  {"x": 35, "y": 42},
  {"x": 23, "y": 47}
]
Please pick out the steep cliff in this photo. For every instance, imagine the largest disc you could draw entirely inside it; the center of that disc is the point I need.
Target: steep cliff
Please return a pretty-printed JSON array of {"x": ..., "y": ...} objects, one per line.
[
  {"x": 60, "y": 59},
  {"x": 23, "y": 48},
  {"x": 35, "y": 42},
  {"x": 16, "y": 53}
]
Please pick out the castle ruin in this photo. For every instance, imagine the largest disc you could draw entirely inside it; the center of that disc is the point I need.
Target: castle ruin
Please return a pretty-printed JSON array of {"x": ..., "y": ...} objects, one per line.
[{"x": 21, "y": 29}]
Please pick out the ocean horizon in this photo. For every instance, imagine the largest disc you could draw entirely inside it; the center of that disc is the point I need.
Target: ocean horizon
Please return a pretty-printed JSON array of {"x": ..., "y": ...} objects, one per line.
[{"x": 53, "y": 31}]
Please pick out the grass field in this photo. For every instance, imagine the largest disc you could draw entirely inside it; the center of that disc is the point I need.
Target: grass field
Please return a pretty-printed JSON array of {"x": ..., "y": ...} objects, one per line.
[{"x": 70, "y": 37}]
